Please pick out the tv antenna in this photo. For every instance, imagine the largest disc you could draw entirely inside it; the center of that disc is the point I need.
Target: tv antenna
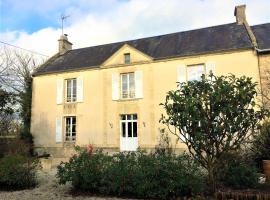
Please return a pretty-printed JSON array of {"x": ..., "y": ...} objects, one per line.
[{"x": 63, "y": 17}]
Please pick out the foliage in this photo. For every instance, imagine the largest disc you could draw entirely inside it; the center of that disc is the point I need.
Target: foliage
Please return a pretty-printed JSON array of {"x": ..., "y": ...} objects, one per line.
[
  {"x": 16, "y": 75},
  {"x": 14, "y": 146},
  {"x": 213, "y": 116},
  {"x": 25, "y": 109},
  {"x": 154, "y": 175},
  {"x": 236, "y": 172},
  {"x": 7, "y": 102},
  {"x": 260, "y": 147},
  {"x": 17, "y": 172}
]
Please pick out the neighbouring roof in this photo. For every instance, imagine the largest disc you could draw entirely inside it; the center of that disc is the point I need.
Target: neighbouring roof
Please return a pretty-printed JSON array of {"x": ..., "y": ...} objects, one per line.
[
  {"x": 200, "y": 41},
  {"x": 262, "y": 34}
]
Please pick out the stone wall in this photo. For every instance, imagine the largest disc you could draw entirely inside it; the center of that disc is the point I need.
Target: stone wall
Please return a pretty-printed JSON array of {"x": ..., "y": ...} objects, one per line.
[{"x": 264, "y": 64}]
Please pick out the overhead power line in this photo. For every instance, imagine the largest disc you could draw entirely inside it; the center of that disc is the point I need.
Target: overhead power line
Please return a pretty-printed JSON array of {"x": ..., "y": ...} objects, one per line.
[{"x": 34, "y": 52}]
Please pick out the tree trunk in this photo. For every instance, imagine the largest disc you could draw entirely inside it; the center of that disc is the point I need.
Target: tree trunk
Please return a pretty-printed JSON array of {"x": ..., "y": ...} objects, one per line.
[{"x": 211, "y": 179}]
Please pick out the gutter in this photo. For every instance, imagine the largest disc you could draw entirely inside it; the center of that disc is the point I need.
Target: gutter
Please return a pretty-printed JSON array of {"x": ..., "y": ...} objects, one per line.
[{"x": 261, "y": 50}]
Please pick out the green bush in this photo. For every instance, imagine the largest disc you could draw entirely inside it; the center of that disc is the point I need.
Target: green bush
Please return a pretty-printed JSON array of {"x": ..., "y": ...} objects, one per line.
[
  {"x": 138, "y": 174},
  {"x": 260, "y": 148},
  {"x": 17, "y": 172},
  {"x": 237, "y": 173}
]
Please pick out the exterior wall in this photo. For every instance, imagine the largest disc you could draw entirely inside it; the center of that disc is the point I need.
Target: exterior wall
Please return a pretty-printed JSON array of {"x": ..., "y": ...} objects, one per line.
[
  {"x": 98, "y": 115},
  {"x": 264, "y": 64}
]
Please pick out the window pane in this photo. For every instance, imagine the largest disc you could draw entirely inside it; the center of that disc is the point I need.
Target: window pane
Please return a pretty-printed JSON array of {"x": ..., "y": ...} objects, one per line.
[
  {"x": 68, "y": 90},
  {"x": 74, "y": 90},
  {"x": 68, "y": 131},
  {"x": 134, "y": 129},
  {"x": 129, "y": 117},
  {"x": 73, "y": 120},
  {"x": 73, "y": 128},
  {"x": 129, "y": 129},
  {"x": 123, "y": 129},
  {"x": 124, "y": 86},
  {"x": 123, "y": 117},
  {"x": 127, "y": 58},
  {"x": 195, "y": 72},
  {"x": 135, "y": 116},
  {"x": 131, "y": 85}
]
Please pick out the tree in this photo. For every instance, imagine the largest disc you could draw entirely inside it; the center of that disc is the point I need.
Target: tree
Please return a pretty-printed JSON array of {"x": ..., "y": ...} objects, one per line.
[
  {"x": 16, "y": 76},
  {"x": 6, "y": 112},
  {"x": 213, "y": 117}
]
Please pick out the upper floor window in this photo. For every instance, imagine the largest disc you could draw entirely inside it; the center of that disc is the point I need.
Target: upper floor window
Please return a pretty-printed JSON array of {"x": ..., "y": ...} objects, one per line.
[
  {"x": 71, "y": 90},
  {"x": 127, "y": 58},
  {"x": 195, "y": 72},
  {"x": 127, "y": 86},
  {"x": 70, "y": 128}
]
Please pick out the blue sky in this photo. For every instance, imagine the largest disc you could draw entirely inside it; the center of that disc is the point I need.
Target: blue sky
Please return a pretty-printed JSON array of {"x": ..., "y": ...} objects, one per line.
[{"x": 35, "y": 24}]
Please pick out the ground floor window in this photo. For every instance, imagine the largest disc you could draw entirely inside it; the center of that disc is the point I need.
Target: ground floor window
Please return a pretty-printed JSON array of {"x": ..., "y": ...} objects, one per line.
[
  {"x": 128, "y": 125},
  {"x": 70, "y": 127}
]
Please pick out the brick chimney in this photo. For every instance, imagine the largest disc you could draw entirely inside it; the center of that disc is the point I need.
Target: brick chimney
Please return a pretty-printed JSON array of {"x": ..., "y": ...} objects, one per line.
[
  {"x": 64, "y": 44},
  {"x": 240, "y": 14}
]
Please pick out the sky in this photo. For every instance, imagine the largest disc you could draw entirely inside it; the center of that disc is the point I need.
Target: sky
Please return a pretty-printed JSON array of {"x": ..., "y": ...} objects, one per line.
[{"x": 36, "y": 24}]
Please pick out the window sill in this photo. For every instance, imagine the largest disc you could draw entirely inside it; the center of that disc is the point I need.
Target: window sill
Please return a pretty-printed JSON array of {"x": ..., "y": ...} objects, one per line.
[
  {"x": 75, "y": 102},
  {"x": 128, "y": 99},
  {"x": 69, "y": 143}
]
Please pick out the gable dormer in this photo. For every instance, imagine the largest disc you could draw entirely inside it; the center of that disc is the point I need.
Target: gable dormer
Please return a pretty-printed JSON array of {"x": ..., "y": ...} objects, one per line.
[{"x": 126, "y": 55}]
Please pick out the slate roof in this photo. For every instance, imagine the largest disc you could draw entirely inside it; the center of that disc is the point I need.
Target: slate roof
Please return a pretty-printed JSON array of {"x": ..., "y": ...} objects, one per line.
[
  {"x": 262, "y": 34},
  {"x": 200, "y": 41}
]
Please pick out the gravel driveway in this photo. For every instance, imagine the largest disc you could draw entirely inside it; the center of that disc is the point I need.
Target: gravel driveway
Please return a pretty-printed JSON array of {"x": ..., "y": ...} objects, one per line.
[{"x": 47, "y": 189}]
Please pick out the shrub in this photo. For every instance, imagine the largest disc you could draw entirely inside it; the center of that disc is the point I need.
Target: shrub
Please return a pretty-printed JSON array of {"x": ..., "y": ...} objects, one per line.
[
  {"x": 17, "y": 172},
  {"x": 260, "y": 148},
  {"x": 235, "y": 172},
  {"x": 11, "y": 146},
  {"x": 155, "y": 175}
]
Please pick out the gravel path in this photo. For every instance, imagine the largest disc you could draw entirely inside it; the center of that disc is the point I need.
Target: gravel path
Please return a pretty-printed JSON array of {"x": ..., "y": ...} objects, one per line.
[{"x": 48, "y": 189}]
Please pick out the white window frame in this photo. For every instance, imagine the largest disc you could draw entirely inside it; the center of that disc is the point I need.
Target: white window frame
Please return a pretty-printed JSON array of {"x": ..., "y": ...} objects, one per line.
[
  {"x": 73, "y": 97},
  {"x": 69, "y": 136},
  {"x": 126, "y": 121},
  {"x": 130, "y": 94},
  {"x": 193, "y": 66}
]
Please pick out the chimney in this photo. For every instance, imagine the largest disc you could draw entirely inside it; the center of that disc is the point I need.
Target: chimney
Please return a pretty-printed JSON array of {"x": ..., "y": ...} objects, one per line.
[
  {"x": 240, "y": 14},
  {"x": 64, "y": 44}
]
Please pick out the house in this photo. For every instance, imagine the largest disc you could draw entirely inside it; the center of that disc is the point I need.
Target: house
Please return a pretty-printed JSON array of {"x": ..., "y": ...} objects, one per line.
[{"x": 109, "y": 95}]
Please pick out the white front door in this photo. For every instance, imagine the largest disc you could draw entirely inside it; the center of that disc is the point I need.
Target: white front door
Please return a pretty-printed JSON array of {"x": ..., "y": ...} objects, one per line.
[{"x": 128, "y": 132}]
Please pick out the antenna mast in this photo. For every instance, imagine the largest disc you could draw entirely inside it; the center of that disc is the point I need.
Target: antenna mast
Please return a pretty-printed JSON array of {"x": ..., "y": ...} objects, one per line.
[{"x": 63, "y": 17}]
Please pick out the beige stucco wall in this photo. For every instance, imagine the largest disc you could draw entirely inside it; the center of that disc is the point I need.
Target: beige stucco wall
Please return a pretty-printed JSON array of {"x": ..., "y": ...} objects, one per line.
[{"x": 98, "y": 110}]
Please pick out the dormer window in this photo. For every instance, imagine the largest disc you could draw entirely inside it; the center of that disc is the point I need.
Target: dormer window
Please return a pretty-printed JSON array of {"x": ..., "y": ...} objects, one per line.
[{"x": 127, "y": 58}]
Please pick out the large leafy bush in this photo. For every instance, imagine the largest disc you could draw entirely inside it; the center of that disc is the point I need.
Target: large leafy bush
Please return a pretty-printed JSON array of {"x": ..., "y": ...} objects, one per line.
[
  {"x": 155, "y": 175},
  {"x": 213, "y": 116},
  {"x": 17, "y": 172}
]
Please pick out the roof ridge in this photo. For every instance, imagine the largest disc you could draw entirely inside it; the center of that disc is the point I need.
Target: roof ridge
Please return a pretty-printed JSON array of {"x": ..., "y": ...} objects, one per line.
[
  {"x": 125, "y": 41},
  {"x": 267, "y": 23}
]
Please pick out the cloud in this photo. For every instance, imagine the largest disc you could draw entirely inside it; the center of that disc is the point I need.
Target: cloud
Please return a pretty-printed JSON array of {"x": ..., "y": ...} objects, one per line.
[{"x": 104, "y": 21}]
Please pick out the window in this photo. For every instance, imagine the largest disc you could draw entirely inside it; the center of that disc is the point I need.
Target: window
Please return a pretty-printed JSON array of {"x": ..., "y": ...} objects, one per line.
[
  {"x": 129, "y": 125},
  {"x": 70, "y": 127},
  {"x": 71, "y": 90},
  {"x": 127, "y": 86},
  {"x": 127, "y": 58},
  {"x": 195, "y": 72}
]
